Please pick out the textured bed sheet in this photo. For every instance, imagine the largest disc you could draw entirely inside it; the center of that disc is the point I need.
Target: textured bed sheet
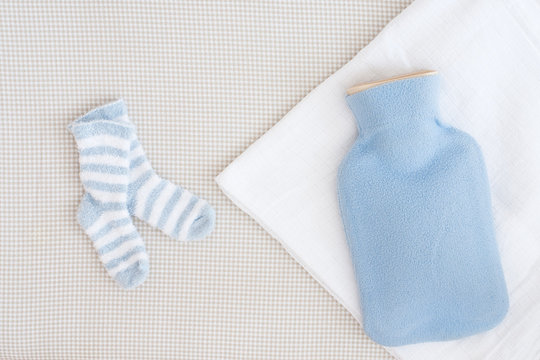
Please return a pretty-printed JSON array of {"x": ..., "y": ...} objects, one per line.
[{"x": 202, "y": 80}]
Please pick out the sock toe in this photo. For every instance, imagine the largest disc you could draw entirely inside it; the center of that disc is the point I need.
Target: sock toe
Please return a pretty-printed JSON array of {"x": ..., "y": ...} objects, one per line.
[
  {"x": 134, "y": 275},
  {"x": 203, "y": 225}
]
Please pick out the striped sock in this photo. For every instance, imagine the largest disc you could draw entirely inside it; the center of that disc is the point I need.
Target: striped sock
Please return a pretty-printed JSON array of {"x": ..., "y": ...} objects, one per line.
[
  {"x": 104, "y": 138},
  {"x": 170, "y": 208}
]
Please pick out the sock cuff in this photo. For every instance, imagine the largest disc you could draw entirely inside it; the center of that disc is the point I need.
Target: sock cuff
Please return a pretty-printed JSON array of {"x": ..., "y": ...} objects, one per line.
[
  {"x": 114, "y": 112},
  {"x": 110, "y": 119}
]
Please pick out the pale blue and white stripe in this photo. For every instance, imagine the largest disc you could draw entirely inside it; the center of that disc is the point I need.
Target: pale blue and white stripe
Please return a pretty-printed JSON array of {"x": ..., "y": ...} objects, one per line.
[
  {"x": 169, "y": 207},
  {"x": 120, "y": 182},
  {"x": 104, "y": 138}
]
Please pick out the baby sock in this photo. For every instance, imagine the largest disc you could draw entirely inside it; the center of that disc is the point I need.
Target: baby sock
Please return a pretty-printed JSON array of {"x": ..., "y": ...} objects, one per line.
[
  {"x": 103, "y": 139},
  {"x": 170, "y": 208}
]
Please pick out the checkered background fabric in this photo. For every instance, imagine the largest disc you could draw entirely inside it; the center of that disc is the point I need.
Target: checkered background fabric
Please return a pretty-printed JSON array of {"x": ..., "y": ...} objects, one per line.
[{"x": 202, "y": 81}]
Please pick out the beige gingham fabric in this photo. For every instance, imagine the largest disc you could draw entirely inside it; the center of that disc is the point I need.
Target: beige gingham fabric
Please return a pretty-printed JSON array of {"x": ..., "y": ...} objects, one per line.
[{"x": 202, "y": 80}]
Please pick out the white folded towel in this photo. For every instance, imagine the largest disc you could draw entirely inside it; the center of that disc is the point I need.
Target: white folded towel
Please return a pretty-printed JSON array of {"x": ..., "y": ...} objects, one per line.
[{"x": 488, "y": 55}]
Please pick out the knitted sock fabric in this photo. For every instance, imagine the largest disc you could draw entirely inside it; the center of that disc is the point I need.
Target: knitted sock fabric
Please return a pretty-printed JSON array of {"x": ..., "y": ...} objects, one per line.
[
  {"x": 169, "y": 207},
  {"x": 103, "y": 138},
  {"x": 415, "y": 202}
]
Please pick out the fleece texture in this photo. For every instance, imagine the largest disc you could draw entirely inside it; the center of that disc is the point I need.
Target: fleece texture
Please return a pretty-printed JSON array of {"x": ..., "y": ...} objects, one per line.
[
  {"x": 169, "y": 207},
  {"x": 415, "y": 202},
  {"x": 103, "y": 138},
  {"x": 119, "y": 183}
]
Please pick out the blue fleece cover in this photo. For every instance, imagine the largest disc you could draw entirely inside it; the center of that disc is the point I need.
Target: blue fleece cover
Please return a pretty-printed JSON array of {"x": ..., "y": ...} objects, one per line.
[{"x": 415, "y": 203}]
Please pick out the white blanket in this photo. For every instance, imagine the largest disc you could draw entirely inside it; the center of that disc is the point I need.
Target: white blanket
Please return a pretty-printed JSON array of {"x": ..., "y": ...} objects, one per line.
[{"x": 488, "y": 54}]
